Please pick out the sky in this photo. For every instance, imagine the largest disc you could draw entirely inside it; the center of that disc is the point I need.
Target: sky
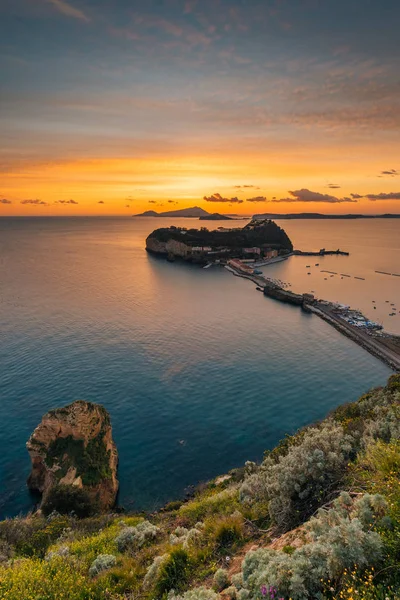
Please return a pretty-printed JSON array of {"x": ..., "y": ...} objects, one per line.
[{"x": 237, "y": 106}]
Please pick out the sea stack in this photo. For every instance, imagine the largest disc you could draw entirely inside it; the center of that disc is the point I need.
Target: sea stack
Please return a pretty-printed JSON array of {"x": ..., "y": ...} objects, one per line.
[{"x": 74, "y": 446}]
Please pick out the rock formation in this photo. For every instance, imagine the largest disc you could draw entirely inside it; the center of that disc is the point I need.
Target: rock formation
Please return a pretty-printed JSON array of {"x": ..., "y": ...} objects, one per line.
[{"x": 74, "y": 446}]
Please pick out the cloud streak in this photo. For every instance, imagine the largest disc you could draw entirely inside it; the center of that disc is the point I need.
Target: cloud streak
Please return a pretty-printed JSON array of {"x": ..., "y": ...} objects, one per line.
[
  {"x": 390, "y": 196},
  {"x": 68, "y": 10},
  {"x": 5, "y": 201},
  {"x": 239, "y": 187},
  {"x": 36, "y": 202},
  {"x": 257, "y": 199},
  {"x": 218, "y": 198},
  {"x": 305, "y": 195},
  {"x": 66, "y": 202},
  {"x": 391, "y": 172}
]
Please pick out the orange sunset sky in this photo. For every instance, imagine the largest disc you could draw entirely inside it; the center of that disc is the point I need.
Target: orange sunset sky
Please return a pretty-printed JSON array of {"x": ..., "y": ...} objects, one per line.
[{"x": 114, "y": 108}]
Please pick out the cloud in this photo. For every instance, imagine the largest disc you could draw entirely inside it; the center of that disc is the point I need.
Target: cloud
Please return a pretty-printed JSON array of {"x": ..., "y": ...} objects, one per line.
[
  {"x": 100, "y": 202},
  {"x": 257, "y": 199},
  {"x": 152, "y": 202},
  {"x": 172, "y": 202},
  {"x": 218, "y": 198},
  {"x": 391, "y": 172},
  {"x": 305, "y": 195},
  {"x": 390, "y": 196},
  {"x": 66, "y": 202},
  {"x": 238, "y": 187},
  {"x": 36, "y": 202},
  {"x": 5, "y": 201},
  {"x": 333, "y": 186},
  {"x": 356, "y": 196},
  {"x": 68, "y": 10}
]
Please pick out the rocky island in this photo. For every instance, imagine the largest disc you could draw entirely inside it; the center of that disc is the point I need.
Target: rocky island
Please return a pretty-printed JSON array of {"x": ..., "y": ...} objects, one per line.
[
  {"x": 73, "y": 446},
  {"x": 257, "y": 238}
]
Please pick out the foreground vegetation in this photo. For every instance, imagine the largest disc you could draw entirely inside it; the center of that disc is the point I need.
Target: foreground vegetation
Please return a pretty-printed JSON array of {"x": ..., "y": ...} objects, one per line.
[{"x": 318, "y": 519}]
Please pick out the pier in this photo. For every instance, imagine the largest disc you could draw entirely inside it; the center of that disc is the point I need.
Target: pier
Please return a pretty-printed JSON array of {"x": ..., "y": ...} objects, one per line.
[
  {"x": 385, "y": 348},
  {"x": 321, "y": 252}
]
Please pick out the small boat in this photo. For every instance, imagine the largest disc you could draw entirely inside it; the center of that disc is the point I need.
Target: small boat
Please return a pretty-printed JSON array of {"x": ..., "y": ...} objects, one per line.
[
  {"x": 374, "y": 307},
  {"x": 317, "y": 264},
  {"x": 308, "y": 266},
  {"x": 309, "y": 273}
]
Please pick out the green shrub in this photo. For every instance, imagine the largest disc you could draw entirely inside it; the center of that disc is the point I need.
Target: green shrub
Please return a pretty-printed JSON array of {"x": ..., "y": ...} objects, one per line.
[
  {"x": 339, "y": 543},
  {"x": 200, "y": 593},
  {"x": 221, "y": 580},
  {"x": 102, "y": 563},
  {"x": 303, "y": 478},
  {"x": 37, "y": 543},
  {"x": 173, "y": 573},
  {"x": 68, "y": 499},
  {"x": 136, "y": 537},
  {"x": 186, "y": 537},
  {"x": 228, "y": 532}
]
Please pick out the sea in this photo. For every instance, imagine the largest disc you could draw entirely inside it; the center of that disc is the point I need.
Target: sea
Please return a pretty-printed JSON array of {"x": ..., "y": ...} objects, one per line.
[{"x": 198, "y": 370}]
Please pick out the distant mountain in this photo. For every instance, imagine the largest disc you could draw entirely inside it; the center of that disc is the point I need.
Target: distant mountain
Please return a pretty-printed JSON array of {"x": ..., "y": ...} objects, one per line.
[
  {"x": 322, "y": 216},
  {"x": 148, "y": 213},
  {"x": 194, "y": 212},
  {"x": 216, "y": 217}
]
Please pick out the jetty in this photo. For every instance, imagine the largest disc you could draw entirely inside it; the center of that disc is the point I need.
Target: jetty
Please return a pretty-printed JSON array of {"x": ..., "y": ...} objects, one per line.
[
  {"x": 321, "y": 252},
  {"x": 359, "y": 329}
]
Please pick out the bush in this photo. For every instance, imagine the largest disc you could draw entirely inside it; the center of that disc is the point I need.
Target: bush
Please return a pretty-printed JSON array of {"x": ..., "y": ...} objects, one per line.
[
  {"x": 302, "y": 479},
  {"x": 38, "y": 541},
  {"x": 228, "y": 532},
  {"x": 200, "y": 593},
  {"x": 221, "y": 580},
  {"x": 186, "y": 537},
  {"x": 153, "y": 571},
  {"x": 68, "y": 499},
  {"x": 339, "y": 543},
  {"x": 136, "y": 537},
  {"x": 102, "y": 563},
  {"x": 173, "y": 572}
]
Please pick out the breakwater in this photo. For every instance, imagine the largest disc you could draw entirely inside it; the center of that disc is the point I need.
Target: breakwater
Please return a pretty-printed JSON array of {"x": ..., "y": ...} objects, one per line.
[
  {"x": 325, "y": 311},
  {"x": 321, "y": 252}
]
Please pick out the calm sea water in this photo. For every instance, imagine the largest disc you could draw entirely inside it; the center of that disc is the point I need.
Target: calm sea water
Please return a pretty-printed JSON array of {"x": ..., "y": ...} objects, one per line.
[
  {"x": 374, "y": 245},
  {"x": 198, "y": 370}
]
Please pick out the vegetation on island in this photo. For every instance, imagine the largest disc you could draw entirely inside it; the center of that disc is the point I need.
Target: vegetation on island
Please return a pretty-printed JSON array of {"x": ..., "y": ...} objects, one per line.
[
  {"x": 318, "y": 519},
  {"x": 262, "y": 234},
  {"x": 91, "y": 460}
]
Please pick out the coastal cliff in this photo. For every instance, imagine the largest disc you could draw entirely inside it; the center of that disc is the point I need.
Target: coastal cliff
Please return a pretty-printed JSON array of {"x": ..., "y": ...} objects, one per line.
[
  {"x": 257, "y": 236},
  {"x": 73, "y": 446}
]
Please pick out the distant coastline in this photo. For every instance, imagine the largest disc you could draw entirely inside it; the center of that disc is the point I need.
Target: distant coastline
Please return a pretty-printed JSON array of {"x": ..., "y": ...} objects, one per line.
[{"x": 322, "y": 216}]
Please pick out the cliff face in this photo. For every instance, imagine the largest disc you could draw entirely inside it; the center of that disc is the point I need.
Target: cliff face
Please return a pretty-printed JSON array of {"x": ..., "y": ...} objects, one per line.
[
  {"x": 170, "y": 247},
  {"x": 179, "y": 242},
  {"x": 73, "y": 445}
]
